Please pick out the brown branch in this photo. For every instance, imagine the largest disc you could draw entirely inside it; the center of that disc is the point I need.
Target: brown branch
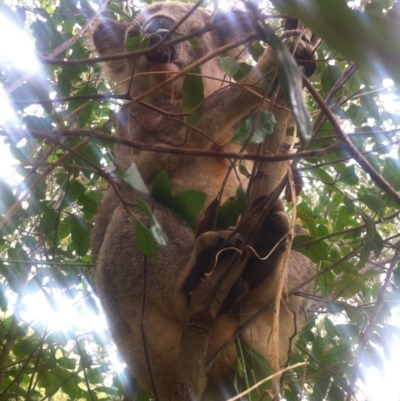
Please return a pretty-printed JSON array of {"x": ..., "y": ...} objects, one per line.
[
  {"x": 336, "y": 87},
  {"x": 54, "y": 136},
  {"x": 274, "y": 375},
  {"x": 344, "y": 159}
]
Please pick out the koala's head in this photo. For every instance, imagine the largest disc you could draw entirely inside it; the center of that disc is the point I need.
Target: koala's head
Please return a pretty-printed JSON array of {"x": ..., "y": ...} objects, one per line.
[{"x": 108, "y": 37}]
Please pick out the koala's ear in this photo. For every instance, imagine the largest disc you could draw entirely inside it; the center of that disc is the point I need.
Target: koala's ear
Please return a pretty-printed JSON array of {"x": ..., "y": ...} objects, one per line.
[
  {"x": 108, "y": 37},
  {"x": 236, "y": 24}
]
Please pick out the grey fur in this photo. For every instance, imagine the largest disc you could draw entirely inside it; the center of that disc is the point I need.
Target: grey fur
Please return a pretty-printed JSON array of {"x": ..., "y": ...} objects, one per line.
[{"x": 120, "y": 266}]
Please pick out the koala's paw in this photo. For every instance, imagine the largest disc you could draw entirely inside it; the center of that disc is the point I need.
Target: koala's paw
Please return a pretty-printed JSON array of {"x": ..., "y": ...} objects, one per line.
[
  {"x": 271, "y": 243},
  {"x": 204, "y": 257},
  {"x": 304, "y": 52},
  {"x": 274, "y": 229}
]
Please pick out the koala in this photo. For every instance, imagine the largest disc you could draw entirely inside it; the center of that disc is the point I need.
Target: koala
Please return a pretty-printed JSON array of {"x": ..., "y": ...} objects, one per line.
[{"x": 125, "y": 277}]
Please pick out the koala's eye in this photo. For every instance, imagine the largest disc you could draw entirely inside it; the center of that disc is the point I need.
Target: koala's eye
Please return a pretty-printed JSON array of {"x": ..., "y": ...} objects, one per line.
[{"x": 159, "y": 25}]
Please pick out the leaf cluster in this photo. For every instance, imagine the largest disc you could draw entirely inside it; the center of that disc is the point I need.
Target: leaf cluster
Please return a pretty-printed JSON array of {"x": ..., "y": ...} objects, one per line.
[{"x": 348, "y": 224}]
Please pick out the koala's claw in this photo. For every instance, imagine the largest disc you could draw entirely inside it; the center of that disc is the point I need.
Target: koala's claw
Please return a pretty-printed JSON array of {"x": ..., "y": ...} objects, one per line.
[
  {"x": 207, "y": 250},
  {"x": 213, "y": 240}
]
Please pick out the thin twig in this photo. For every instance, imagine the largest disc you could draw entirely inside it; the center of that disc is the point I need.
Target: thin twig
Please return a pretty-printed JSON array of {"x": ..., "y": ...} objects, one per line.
[
  {"x": 371, "y": 324},
  {"x": 55, "y": 137},
  {"x": 353, "y": 151},
  {"x": 249, "y": 390},
  {"x": 58, "y": 50}
]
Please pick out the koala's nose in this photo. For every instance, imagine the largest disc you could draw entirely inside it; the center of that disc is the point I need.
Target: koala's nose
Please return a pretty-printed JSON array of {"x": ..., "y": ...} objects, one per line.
[{"x": 156, "y": 29}]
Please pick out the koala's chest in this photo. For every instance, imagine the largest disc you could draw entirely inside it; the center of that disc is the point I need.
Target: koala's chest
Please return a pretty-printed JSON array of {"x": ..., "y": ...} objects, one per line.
[{"x": 150, "y": 127}]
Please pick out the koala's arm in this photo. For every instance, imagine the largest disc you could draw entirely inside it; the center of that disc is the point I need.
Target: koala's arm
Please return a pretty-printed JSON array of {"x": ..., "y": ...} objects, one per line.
[{"x": 227, "y": 107}]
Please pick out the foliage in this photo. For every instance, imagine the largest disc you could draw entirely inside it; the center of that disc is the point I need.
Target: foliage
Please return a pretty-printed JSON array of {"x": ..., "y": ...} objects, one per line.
[{"x": 62, "y": 141}]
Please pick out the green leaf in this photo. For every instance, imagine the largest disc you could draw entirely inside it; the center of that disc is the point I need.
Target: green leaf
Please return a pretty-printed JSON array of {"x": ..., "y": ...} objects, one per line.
[
  {"x": 316, "y": 251},
  {"x": 142, "y": 394},
  {"x": 42, "y": 36},
  {"x": 7, "y": 197},
  {"x": 391, "y": 172},
  {"x": 3, "y": 297},
  {"x": 75, "y": 190},
  {"x": 341, "y": 218},
  {"x": 305, "y": 214},
  {"x": 325, "y": 283},
  {"x": 334, "y": 252},
  {"x": 63, "y": 85},
  {"x": 188, "y": 204},
  {"x": 366, "y": 39},
  {"x": 348, "y": 176},
  {"x": 145, "y": 240},
  {"x": 256, "y": 50},
  {"x": 136, "y": 43},
  {"x": 135, "y": 180},
  {"x": 80, "y": 235},
  {"x": 244, "y": 70},
  {"x": 291, "y": 80},
  {"x": 347, "y": 330},
  {"x": 46, "y": 381},
  {"x": 243, "y": 169},
  {"x": 321, "y": 385},
  {"x": 396, "y": 275},
  {"x": 229, "y": 65},
  {"x": 374, "y": 203},
  {"x": 38, "y": 123},
  {"x": 321, "y": 174},
  {"x": 231, "y": 209},
  {"x": 335, "y": 393},
  {"x": 71, "y": 388},
  {"x": 329, "y": 76},
  {"x": 161, "y": 190},
  {"x": 262, "y": 126},
  {"x": 67, "y": 363},
  {"x": 95, "y": 375},
  {"x": 193, "y": 96},
  {"x": 349, "y": 285},
  {"x": 330, "y": 327},
  {"x": 155, "y": 228},
  {"x": 355, "y": 315},
  {"x": 254, "y": 369},
  {"x": 338, "y": 351},
  {"x": 373, "y": 240}
]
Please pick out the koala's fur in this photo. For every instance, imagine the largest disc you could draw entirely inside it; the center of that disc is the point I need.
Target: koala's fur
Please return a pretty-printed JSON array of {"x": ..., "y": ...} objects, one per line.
[{"x": 120, "y": 266}]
